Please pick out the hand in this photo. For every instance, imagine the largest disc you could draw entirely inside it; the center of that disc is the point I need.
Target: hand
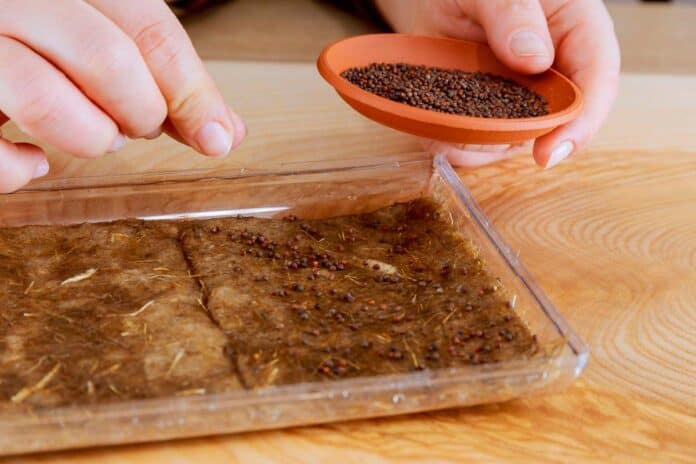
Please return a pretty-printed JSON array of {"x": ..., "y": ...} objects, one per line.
[
  {"x": 575, "y": 36},
  {"x": 82, "y": 75}
]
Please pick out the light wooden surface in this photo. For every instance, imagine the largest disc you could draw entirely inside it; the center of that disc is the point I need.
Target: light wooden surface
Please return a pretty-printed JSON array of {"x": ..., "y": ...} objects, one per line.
[{"x": 610, "y": 235}]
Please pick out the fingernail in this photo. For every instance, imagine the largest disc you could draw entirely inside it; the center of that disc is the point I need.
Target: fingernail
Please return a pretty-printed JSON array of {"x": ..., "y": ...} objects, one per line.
[
  {"x": 559, "y": 153},
  {"x": 118, "y": 143},
  {"x": 213, "y": 139},
  {"x": 527, "y": 43},
  {"x": 41, "y": 169}
]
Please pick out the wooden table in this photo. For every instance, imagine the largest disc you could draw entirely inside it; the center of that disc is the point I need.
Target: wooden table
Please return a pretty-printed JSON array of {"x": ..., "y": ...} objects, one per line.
[{"x": 610, "y": 235}]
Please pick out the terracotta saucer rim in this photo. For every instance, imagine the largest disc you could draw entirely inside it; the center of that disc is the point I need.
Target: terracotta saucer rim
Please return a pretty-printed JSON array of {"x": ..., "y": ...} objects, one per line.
[{"x": 344, "y": 87}]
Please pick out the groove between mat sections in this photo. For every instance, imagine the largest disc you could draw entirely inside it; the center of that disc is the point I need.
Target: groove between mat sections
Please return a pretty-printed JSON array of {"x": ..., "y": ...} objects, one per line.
[{"x": 203, "y": 300}]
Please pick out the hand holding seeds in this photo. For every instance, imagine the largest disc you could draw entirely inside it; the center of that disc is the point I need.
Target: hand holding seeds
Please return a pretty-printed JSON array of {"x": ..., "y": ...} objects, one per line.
[
  {"x": 575, "y": 36},
  {"x": 83, "y": 75}
]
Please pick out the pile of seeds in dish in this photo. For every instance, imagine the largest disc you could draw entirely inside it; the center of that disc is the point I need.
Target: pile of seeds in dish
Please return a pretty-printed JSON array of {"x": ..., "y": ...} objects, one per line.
[{"x": 449, "y": 91}]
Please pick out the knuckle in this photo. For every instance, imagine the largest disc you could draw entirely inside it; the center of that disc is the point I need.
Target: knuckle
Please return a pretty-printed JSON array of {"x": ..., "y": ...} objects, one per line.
[
  {"x": 147, "y": 121},
  {"x": 519, "y": 6},
  {"x": 145, "y": 127},
  {"x": 183, "y": 111},
  {"x": 38, "y": 109},
  {"x": 186, "y": 103},
  {"x": 119, "y": 65},
  {"x": 160, "y": 42},
  {"x": 112, "y": 59}
]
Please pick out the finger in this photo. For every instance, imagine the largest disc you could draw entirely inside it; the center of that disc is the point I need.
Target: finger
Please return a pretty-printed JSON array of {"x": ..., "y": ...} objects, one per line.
[
  {"x": 20, "y": 163},
  {"x": 96, "y": 55},
  {"x": 46, "y": 105},
  {"x": 447, "y": 19},
  {"x": 240, "y": 129},
  {"x": 517, "y": 32},
  {"x": 599, "y": 91},
  {"x": 171, "y": 131},
  {"x": 195, "y": 107},
  {"x": 475, "y": 155},
  {"x": 595, "y": 71}
]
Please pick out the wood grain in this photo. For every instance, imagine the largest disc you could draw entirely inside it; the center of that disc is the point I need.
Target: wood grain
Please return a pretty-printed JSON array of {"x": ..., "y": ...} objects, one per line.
[
  {"x": 633, "y": 241},
  {"x": 303, "y": 119},
  {"x": 610, "y": 235}
]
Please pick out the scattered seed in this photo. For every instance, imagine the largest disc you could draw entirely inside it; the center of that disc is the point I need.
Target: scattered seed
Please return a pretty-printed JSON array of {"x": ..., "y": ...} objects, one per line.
[{"x": 395, "y": 353}]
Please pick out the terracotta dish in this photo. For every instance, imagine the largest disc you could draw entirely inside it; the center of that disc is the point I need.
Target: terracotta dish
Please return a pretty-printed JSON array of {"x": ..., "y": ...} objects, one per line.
[{"x": 563, "y": 97}]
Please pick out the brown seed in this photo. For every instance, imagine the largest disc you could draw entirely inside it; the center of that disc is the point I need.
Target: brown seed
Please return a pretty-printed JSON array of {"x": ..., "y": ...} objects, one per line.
[{"x": 395, "y": 353}]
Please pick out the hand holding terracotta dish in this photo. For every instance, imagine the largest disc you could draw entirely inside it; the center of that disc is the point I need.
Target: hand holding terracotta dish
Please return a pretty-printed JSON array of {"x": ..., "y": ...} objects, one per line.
[{"x": 563, "y": 100}]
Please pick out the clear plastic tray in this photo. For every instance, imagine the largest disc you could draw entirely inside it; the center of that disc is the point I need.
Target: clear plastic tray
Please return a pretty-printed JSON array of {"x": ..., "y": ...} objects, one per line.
[{"x": 310, "y": 190}]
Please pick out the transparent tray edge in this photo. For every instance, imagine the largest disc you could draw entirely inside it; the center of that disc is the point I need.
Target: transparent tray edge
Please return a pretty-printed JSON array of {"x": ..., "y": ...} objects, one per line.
[{"x": 541, "y": 374}]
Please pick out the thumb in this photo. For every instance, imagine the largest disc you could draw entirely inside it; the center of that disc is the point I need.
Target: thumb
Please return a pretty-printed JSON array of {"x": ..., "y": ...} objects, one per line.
[
  {"x": 518, "y": 33},
  {"x": 20, "y": 163}
]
